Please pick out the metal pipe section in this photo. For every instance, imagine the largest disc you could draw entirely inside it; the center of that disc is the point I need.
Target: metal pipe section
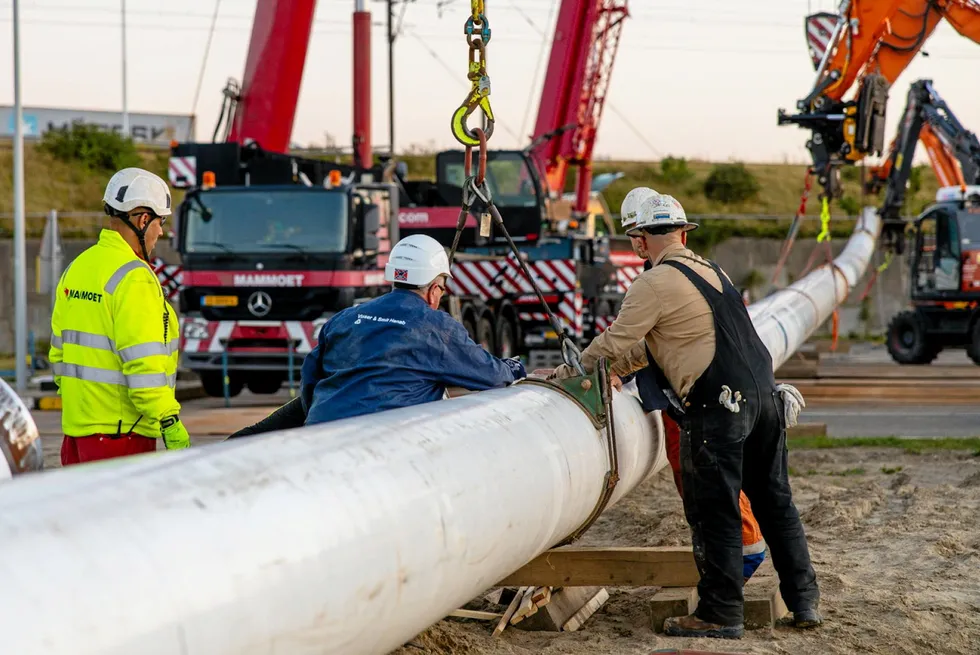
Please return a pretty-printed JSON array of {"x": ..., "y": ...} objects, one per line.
[
  {"x": 349, "y": 537},
  {"x": 787, "y": 318},
  {"x": 345, "y": 538}
]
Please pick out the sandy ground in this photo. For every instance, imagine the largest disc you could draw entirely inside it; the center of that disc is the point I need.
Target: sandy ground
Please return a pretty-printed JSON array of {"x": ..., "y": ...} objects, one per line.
[{"x": 894, "y": 539}]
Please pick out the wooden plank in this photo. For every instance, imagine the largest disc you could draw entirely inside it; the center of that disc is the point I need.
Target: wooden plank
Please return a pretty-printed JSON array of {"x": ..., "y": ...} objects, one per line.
[
  {"x": 668, "y": 602},
  {"x": 565, "y": 602},
  {"x": 763, "y": 603},
  {"x": 509, "y": 612},
  {"x": 526, "y": 607},
  {"x": 541, "y": 596},
  {"x": 590, "y": 608},
  {"x": 476, "y": 614},
  {"x": 615, "y": 567}
]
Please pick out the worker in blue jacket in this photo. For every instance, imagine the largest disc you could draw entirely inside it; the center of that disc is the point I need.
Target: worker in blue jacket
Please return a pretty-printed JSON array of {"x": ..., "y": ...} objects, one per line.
[{"x": 398, "y": 350}]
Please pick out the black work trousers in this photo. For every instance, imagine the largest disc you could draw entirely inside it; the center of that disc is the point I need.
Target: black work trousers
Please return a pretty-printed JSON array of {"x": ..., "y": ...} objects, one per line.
[{"x": 721, "y": 454}]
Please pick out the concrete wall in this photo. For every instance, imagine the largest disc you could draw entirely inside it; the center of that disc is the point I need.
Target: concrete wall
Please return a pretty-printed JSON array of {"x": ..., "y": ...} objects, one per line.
[{"x": 737, "y": 256}]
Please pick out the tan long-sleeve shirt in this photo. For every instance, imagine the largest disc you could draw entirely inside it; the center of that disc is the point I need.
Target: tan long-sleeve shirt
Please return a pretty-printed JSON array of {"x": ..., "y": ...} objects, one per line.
[{"x": 663, "y": 311}]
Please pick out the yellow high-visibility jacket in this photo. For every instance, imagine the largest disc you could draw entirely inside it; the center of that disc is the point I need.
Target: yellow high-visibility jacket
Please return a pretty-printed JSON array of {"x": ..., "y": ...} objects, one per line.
[{"x": 113, "y": 343}]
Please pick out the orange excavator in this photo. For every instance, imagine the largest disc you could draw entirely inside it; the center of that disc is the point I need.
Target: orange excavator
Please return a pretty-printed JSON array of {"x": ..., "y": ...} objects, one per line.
[{"x": 866, "y": 46}]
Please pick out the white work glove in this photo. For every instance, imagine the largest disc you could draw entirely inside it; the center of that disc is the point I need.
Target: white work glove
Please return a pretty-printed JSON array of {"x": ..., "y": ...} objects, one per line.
[{"x": 792, "y": 403}]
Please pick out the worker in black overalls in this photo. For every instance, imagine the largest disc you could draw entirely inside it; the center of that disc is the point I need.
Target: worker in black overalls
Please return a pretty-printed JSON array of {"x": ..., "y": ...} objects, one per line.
[{"x": 685, "y": 323}]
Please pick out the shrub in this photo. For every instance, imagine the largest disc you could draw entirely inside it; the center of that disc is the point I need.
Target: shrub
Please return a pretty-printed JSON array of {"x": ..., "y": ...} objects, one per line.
[
  {"x": 94, "y": 148},
  {"x": 850, "y": 206},
  {"x": 731, "y": 183},
  {"x": 675, "y": 170}
]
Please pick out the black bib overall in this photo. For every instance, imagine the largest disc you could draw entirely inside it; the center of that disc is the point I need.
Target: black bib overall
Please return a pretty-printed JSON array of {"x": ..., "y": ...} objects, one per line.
[{"x": 733, "y": 438}]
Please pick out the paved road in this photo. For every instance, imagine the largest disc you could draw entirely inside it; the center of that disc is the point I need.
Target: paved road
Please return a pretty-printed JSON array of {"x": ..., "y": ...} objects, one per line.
[
  {"x": 902, "y": 421},
  {"x": 207, "y": 420}
]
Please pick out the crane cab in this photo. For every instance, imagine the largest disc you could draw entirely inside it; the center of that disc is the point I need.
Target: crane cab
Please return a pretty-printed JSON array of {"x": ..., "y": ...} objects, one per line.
[{"x": 945, "y": 281}]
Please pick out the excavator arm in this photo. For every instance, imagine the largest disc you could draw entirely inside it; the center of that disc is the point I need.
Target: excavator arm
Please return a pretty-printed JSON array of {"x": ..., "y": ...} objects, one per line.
[
  {"x": 871, "y": 44},
  {"x": 953, "y": 150}
]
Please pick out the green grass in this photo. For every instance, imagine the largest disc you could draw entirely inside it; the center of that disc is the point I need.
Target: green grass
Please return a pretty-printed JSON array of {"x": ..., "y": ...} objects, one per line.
[
  {"x": 913, "y": 446},
  {"x": 52, "y": 184}
]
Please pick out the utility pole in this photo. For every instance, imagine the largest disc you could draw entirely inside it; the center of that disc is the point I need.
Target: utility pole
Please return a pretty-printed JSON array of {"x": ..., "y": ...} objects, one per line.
[
  {"x": 125, "y": 108},
  {"x": 391, "y": 78},
  {"x": 20, "y": 225}
]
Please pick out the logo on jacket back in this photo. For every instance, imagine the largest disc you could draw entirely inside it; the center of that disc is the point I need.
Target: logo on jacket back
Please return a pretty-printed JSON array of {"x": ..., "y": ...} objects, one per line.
[
  {"x": 401, "y": 275},
  {"x": 75, "y": 294}
]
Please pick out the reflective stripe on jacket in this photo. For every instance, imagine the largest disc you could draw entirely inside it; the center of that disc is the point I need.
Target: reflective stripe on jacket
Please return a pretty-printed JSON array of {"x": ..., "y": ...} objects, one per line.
[{"x": 113, "y": 343}]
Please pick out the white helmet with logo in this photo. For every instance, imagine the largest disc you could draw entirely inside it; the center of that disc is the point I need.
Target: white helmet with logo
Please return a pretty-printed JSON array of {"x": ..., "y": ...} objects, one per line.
[
  {"x": 660, "y": 211},
  {"x": 134, "y": 187},
  {"x": 417, "y": 260},
  {"x": 630, "y": 208}
]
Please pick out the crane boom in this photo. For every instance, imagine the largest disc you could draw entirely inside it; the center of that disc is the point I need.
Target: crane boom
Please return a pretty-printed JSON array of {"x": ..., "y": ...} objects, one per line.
[
  {"x": 871, "y": 45},
  {"x": 273, "y": 73},
  {"x": 583, "y": 52}
]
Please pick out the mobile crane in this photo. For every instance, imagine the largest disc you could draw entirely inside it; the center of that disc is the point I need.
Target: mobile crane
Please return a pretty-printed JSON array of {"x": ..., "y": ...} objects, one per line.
[
  {"x": 272, "y": 244},
  {"x": 945, "y": 257},
  {"x": 576, "y": 269}
]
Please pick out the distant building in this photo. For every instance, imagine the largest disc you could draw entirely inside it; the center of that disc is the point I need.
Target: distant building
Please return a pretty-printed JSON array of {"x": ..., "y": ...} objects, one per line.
[{"x": 150, "y": 129}]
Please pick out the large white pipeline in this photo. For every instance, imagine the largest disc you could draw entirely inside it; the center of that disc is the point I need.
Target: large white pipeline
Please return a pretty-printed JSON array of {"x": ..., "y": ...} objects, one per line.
[{"x": 346, "y": 538}]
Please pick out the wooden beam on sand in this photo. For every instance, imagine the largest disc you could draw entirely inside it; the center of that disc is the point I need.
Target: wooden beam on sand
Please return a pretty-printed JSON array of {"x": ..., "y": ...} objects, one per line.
[{"x": 614, "y": 567}]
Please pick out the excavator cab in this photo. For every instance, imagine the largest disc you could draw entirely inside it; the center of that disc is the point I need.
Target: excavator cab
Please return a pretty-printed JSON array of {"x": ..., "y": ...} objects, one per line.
[{"x": 945, "y": 281}]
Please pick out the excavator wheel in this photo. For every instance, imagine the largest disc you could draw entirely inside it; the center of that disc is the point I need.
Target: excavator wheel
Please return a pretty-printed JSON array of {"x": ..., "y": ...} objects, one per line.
[
  {"x": 973, "y": 348},
  {"x": 908, "y": 339},
  {"x": 506, "y": 336}
]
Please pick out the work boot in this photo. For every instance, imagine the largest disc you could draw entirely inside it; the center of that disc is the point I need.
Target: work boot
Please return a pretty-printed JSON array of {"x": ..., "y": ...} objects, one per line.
[
  {"x": 692, "y": 626},
  {"x": 802, "y": 619}
]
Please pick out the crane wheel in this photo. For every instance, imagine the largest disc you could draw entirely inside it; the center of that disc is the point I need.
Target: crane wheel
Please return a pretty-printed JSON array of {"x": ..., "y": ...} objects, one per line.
[
  {"x": 973, "y": 348},
  {"x": 485, "y": 332},
  {"x": 908, "y": 339},
  {"x": 506, "y": 337}
]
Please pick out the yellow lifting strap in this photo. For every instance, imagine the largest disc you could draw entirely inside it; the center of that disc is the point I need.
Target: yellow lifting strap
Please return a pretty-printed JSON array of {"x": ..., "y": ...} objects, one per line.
[{"x": 824, "y": 221}]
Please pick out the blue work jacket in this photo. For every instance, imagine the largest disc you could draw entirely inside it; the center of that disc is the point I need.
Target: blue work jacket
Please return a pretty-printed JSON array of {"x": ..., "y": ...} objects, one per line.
[{"x": 390, "y": 352}]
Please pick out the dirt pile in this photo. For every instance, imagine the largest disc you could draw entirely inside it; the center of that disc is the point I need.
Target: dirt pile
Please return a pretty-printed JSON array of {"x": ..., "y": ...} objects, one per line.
[{"x": 894, "y": 540}]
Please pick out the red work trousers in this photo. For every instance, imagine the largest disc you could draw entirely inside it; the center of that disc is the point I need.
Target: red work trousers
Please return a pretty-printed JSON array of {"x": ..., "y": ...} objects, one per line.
[
  {"x": 751, "y": 534},
  {"x": 75, "y": 450}
]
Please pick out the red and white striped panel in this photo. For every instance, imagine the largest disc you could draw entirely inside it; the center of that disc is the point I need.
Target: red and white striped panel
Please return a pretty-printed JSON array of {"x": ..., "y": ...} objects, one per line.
[
  {"x": 498, "y": 278},
  {"x": 602, "y": 323},
  {"x": 182, "y": 172},
  {"x": 170, "y": 276},
  {"x": 216, "y": 334},
  {"x": 569, "y": 312},
  {"x": 819, "y": 28},
  {"x": 625, "y": 276}
]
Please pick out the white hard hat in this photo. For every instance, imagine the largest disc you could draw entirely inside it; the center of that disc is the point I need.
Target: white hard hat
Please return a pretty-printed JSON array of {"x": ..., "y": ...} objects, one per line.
[
  {"x": 661, "y": 211},
  {"x": 417, "y": 260},
  {"x": 630, "y": 208},
  {"x": 134, "y": 187}
]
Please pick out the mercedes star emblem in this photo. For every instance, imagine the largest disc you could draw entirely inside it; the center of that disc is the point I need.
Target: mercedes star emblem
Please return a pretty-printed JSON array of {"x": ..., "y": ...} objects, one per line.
[{"x": 259, "y": 303}]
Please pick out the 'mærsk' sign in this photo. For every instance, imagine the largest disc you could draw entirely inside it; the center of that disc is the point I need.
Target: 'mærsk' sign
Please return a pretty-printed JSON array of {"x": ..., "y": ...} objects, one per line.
[{"x": 268, "y": 279}]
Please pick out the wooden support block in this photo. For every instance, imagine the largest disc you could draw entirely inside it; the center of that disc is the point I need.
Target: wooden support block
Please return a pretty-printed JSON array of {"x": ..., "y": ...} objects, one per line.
[
  {"x": 585, "y": 612},
  {"x": 526, "y": 607},
  {"x": 509, "y": 612},
  {"x": 564, "y": 604},
  {"x": 541, "y": 596},
  {"x": 476, "y": 614},
  {"x": 668, "y": 602},
  {"x": 615, "y": 567},
  {"x": 763, "y": 603}
]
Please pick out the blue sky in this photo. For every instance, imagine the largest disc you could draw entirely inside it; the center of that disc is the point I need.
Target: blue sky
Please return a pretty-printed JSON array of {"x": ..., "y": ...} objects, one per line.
[{"x": 694, "y": 78}]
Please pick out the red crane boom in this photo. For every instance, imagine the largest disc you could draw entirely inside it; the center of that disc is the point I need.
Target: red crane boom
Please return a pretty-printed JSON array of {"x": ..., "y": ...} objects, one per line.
[{"x": 583, "y": 51}]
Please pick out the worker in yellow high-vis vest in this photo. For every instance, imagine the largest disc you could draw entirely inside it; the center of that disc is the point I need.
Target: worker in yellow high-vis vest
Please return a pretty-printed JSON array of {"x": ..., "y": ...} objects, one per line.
[{"x": 114, "y": 335}]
